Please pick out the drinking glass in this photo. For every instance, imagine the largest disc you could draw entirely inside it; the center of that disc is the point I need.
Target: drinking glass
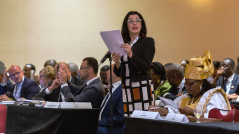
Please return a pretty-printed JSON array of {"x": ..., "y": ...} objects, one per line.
[{"x": 198, "y": 111}]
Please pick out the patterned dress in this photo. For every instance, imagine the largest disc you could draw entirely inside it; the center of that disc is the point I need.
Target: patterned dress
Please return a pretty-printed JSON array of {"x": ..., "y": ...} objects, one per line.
[{"x": 136, "y": 78}]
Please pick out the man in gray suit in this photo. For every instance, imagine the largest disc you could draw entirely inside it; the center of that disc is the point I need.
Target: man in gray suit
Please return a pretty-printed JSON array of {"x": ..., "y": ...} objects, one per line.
[{"x": 92, "y": 91}]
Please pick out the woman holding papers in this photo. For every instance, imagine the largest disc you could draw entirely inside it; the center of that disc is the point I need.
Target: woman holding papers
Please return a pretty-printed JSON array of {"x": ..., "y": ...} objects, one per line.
[
  {"x": 134, "y": 67},
  {"x": 199, "y": 89}
]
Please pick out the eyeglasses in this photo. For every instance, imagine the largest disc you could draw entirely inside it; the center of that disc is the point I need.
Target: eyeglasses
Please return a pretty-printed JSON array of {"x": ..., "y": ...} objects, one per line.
[
  {"x": 84, "y": 67},
  {"x": 17, "y": 73},
  {"x": 189, "y": 85},
  {"x": 136, "y": 21}
]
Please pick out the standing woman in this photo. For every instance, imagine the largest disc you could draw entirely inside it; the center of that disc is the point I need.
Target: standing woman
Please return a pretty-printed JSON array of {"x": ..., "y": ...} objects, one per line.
[{"x": 134, "y": 67}]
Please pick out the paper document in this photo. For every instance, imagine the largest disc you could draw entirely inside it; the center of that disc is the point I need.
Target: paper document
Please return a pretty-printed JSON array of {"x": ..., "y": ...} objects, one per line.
[
  {"x": 169, "y": 102},
  {"x": 113, "y": 40}
]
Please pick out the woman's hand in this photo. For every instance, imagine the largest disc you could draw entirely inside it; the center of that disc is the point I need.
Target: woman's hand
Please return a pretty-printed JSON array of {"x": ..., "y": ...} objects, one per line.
[
  {"x": 116, "y": 58},
  {"x": 54, "y": 85},
  {"x": 186, "y": 110},
  {"x": 162, "y": 111},
  {"x": 127, "y": 49}
]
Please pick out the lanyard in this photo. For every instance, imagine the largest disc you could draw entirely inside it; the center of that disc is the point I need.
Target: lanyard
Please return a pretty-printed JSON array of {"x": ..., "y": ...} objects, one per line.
[{"x": 135, "y": 40}]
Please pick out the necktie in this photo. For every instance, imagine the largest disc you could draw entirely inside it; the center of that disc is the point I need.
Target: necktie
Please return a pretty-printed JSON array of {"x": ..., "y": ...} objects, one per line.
[
  {"x": 225, "y": 85},
  {"x": 15, "y": 94}
]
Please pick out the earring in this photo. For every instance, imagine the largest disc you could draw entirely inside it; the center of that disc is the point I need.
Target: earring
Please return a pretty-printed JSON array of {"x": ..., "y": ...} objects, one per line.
[
  {"x": 158, "y": 81},
  {"x": 200, "y": 87}
]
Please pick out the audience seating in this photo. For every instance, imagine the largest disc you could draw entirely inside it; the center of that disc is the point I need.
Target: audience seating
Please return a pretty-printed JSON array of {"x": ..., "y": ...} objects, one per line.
[{"x": 232, "y": 114}]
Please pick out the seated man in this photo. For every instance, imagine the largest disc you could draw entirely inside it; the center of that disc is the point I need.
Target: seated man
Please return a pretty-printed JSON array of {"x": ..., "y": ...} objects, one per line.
[
  {"x": 55, "y": 95},
  {"x": 103, "y": 77},
  {"x": 50, "y": 62},
  {"x": 104, "y": 123},
  {"x": 29, "y": 71},
  {"x": 184, "y": 63},
  {"x": 74, "y": 69},
  {"x": 23, "y": 88},
  {"x": 227, "y": 79},
  {"x": 175, "y": 75},
  {"x": 92, "y": 91},
  {"x": 73, "y": 73},
  {"x": 199, "y": 90}
]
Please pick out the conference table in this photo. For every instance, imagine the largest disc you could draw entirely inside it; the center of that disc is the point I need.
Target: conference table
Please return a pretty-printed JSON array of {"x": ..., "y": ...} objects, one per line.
[
  {"x": 150, "y": 126},
  {"x": 39, "y": 120}
]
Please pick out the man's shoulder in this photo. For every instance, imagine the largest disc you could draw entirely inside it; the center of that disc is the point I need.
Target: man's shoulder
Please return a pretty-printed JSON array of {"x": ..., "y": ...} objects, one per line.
[
  {"x": 76, "y": 81},
  {"x": 28, "y": 83},
  {"x": 97, "y": 84}
]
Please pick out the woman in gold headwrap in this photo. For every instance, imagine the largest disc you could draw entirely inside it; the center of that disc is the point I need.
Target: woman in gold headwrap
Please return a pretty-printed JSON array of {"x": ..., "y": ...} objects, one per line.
[{"x": 199, "y": 89}]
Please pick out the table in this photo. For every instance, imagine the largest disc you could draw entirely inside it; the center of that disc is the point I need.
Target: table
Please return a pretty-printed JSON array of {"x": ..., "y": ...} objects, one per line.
[
  {"x": 149, "y": 126},
  {"x": 39, "y": 120}
]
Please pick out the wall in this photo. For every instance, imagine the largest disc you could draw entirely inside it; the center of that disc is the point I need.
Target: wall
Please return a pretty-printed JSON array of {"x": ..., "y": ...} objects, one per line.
[{"x": 33, "y": 31}]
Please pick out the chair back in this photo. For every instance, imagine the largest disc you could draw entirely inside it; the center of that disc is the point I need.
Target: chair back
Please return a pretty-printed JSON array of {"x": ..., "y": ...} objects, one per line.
[
  {"x": 232, "y": 114},
  {"x": 3, "y": 117},
  {"x": 233, "y": 107}
]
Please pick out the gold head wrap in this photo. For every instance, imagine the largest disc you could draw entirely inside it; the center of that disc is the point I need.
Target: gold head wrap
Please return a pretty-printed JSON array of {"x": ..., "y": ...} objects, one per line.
[{"x": 199, "y": 68}]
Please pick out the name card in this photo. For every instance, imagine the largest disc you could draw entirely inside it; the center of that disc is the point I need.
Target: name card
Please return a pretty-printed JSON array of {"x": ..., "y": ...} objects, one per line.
[
  {"x": 52, "y": 105},
  {"x": 146, "y": 115},
  {"x": 76, "y": 105},
  {"x": 8, "y": 102},
  {"x": 176, "y": 117}
]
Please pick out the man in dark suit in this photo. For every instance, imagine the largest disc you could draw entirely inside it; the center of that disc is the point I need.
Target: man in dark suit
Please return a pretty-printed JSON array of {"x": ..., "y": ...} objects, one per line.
[
  {"x": 23, "y": 88},
  {"x": 175, "y": 76},
  {"x": 92, "y": 91},
  {"x": 104, "y": 123},
  {"x": 55, "y": 95},
  {"x": 227, "y": 79}
]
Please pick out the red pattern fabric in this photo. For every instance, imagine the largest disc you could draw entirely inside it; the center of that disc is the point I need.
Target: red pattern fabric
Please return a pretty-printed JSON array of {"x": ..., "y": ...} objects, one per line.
[{"x": 3, "y": 117}]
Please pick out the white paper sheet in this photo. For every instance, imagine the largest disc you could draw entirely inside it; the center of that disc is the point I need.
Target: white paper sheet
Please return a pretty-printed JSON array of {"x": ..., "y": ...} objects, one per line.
[
  {"x": 169, "y": 102},
  {"x": 113, "y": 40}
]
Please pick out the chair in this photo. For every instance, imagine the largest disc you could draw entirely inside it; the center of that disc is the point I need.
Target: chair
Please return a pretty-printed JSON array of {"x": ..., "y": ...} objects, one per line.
[
  {"x": 233, "y": 107},
  {"x": 3, "y": 117},
  {"x": 231, "y": 115}
]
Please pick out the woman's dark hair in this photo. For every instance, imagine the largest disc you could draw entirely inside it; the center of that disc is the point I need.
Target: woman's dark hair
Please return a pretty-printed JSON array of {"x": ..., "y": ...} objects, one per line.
[
  {"x": 125, "y": 30},
  {"x": 159, "y": 69},
  {"x": 206, "y": 86}
]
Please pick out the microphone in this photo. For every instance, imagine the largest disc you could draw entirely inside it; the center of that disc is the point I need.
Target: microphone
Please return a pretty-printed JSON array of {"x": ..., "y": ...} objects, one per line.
[{"x": 107, "y": 55}]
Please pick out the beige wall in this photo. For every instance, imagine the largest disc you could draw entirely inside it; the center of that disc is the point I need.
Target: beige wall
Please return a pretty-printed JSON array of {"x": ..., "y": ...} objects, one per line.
[{"x": 33, "y": 31}]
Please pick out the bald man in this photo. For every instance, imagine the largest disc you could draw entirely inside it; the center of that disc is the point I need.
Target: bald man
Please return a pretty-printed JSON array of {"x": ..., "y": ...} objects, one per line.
[{"x": 23, "y": 88}]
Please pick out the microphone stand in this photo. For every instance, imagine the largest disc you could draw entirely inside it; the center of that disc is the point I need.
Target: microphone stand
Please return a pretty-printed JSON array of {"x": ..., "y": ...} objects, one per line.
[
  {"x": 111, "y": 98},
  {"x": 111, "y": 86}
]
